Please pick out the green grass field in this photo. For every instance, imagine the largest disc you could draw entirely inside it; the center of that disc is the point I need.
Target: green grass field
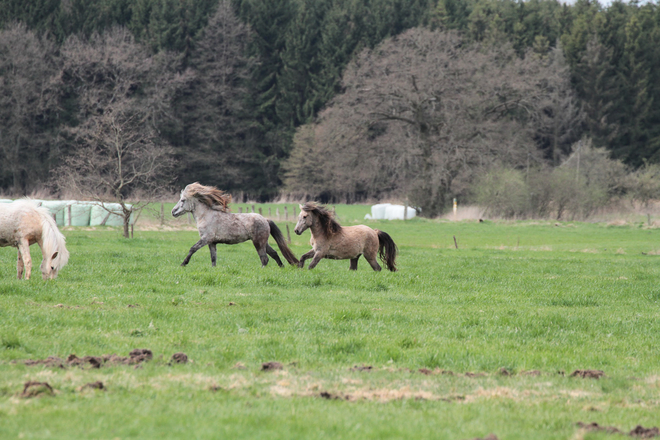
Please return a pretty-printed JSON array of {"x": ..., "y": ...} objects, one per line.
[{"x": 535, "y": 298}]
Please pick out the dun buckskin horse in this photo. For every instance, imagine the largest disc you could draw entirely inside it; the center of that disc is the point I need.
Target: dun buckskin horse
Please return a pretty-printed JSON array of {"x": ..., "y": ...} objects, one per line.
[
  {"x": 336, "y": 242},
  {"x": 210, "y": 207},
  {"x": 22, "y": 224}
]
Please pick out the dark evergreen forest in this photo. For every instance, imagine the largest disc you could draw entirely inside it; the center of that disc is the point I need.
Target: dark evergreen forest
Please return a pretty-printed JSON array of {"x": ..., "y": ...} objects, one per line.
[{"x": 227, "y": 85}]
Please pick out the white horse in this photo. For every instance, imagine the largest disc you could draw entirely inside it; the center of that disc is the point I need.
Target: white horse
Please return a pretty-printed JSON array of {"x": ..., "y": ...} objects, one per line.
[{"x": 22, "y": 224}]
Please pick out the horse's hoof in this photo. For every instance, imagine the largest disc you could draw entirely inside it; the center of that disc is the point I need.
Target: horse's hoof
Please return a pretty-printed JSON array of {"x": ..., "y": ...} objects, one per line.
[{"x": 183, "y": 264}]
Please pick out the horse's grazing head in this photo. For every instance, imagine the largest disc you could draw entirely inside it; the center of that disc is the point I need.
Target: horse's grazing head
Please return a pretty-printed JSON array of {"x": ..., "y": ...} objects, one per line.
[
  {"x": 194, "y": 193},
  {"x": 50, "y": 267},
  {"x": 312, "y": 211}
]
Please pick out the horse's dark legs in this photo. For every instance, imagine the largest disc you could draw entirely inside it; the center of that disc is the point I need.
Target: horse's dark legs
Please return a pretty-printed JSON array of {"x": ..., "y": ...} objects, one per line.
[
  {"x": 304, "y": 257},
  {"x": 273, "y": 254},
  {"x": 197, "y": 246},
  {"x": 214, "y": 253},
  {"x": 354, "y": 263}
]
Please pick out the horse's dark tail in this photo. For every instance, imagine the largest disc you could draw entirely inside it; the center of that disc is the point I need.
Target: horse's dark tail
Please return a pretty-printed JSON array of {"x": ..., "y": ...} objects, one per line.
[
  {"x": 387, "y": 250},
  {"x": 279, "y": 239}
]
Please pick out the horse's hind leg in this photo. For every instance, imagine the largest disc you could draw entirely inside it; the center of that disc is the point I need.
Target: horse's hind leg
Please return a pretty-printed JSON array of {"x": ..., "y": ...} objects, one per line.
[
  {"x": 24, "y": 259},
  {"x": 373, "y": 261},
  {"x": 273, "y": 254},
  {"x": 214, "y": 253},
  {"x": 354, "y": 262},
  {"x": 261, "y": 250}
]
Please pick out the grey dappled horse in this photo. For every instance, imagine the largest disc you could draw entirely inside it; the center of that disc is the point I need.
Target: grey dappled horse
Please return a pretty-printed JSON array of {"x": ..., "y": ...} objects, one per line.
[
  {"x": 331, "y": 240},
  {"x": 22, "y": 224},
  {"x": 216, "y": 224}
]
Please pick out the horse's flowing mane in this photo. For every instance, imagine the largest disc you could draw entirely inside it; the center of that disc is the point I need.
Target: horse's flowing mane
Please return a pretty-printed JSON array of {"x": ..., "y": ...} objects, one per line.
[
  {"x": 209, "y": 195},
  {"x": 325, "y": 216}
]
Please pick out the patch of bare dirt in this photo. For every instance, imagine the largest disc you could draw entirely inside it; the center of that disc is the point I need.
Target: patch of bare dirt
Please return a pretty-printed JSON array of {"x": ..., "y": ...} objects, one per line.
[
  {"x": 469, "y": 374},
  {"x": 271, "y": 366},
  {"x": 36, "y": 389},
  {"x": 504, "y": 372},
  {"x": 488, "y": 437},
  {"x": 588, "y": 374},
  {"x": 531, "y": 373}
]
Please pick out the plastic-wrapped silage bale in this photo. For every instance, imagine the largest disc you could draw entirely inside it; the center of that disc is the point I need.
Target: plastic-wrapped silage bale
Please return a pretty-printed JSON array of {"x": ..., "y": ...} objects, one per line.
[
  {"x": 107, "y": 214},
  {"x": 395, "y": 212},
  {"x": 80, "y": 213},
  {"x": 57, "y": 208},
  {"x": 378, "y": 211},
  {"x": 6, "y": 200}
]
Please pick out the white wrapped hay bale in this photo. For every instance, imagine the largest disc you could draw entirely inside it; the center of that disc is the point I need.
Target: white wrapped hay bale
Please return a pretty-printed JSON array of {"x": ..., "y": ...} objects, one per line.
[
  {"x": 378, "y": 211},
  {"x": 396, "y": 212},
  {"x": 107, "y": 214},
  {"x": 57, "y": 208},
  {"x": 80, "y": 213},
  {"x": 6, "y": 200}
]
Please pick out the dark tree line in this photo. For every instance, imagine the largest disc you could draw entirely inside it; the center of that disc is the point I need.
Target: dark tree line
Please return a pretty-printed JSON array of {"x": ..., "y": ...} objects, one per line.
[{"x": 230, "y": 83}]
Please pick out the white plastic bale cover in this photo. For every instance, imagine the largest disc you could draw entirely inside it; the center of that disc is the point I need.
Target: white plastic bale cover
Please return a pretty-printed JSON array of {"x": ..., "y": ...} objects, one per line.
[
  {"x": 6, "y": 200},
  {"x": 112, "y": 213},
  {"x": 395, "y": 212},
  {"x": 57, "y": 208},
  {"x": 378, "y": 211},
  {"x": 80, "y": 213}
]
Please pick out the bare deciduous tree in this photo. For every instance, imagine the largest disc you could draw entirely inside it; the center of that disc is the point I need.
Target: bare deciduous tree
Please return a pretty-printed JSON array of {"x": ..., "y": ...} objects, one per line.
[
  {"x": 421, "y": 115},
  {"x": 118, "y": 153}
]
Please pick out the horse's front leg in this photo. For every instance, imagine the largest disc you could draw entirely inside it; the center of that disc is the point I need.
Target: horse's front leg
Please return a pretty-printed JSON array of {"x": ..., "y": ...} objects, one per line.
[
  {"x": 20, "y": 267},
  {"x": 24, "y": 255},
  {"x": 197, "y": 246},
  {"x": 214, "y": 253},
  {"x": 304, "y": 257},
  {"x": 317, "y": 257}
]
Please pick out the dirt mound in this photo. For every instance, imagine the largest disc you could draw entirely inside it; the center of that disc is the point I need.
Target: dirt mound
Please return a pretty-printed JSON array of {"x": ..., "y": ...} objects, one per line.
[
  {"x": 270, "y": 366},
  {"x": 36, "y": 389},
  {"x": 334, "y": 396},
  {"x": 98, "y": 385},
  {"x": 488, "y": 437},
  {"x": 588, "y": 374},
  {"x": 641, "y": 432},
  {"x": 362, "y": 368},
  {"x": 593, "y": 426},
  {"x": 638, "y": 431},
  {"x": 135, "y": 357},
  {"x": 179, "y": 358}
]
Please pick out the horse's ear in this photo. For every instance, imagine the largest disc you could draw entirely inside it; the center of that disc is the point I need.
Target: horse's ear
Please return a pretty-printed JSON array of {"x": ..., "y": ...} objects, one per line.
[
  {"x": 300, "y": 206},
  {"x": 54, "y": 256}
]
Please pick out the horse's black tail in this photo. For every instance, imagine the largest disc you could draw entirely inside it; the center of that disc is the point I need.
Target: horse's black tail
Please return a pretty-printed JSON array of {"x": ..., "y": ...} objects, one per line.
[
  {"x": 387, "y": 250},
  {"x": 279, "y": 239}
]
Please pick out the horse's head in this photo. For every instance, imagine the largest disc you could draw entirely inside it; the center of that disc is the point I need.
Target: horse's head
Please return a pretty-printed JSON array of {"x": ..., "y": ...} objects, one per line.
[
  {"x": 305, "y": 220},
  {"x": 185, "y": 204},
  {"x": 49, "y": 267}
]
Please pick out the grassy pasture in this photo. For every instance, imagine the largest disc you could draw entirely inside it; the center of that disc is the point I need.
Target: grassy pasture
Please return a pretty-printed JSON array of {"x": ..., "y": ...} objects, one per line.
[{"x": 517, "y": 295}]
